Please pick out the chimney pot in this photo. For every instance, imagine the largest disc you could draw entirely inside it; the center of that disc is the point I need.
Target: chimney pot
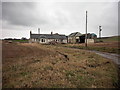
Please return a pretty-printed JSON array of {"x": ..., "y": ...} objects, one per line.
[
  {"x": 51, "y": 33},
  {"x": 38, "y": 30},
  {"x": 30, "y": 32}
]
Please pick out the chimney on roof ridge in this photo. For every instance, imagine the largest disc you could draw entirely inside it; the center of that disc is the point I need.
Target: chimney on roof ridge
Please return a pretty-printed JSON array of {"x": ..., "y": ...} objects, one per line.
[
  {"x": 30, "y": 32},
  {"x": 51, "y": 33},
  {"x": 38, "y": 30}
]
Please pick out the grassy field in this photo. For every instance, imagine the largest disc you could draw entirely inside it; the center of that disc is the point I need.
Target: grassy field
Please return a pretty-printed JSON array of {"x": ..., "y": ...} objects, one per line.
[
  {"x": 108, "y": 44},
  {"x": 34, "y": 65},
  {"x": 110, "y": 39},
  {"x": 103, "y": 47}
]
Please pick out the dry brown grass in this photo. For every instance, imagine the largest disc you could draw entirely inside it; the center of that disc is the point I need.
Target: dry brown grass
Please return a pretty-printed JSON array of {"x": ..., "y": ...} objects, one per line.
[
  {"x": 102, "y": 44},
  {"x": 110, "y": 47},
  {"x": 33, "y": 65}
]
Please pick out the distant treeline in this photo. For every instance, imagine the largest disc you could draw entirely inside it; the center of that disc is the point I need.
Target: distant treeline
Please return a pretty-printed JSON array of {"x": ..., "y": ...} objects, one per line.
[{"x": 23, "y": 38}]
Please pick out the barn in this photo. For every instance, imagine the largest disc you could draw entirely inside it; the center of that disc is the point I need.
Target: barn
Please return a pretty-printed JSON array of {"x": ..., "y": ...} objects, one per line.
[
  {"x": 47, "y": 38},
  {"x": 80, "y": 38},
  {"x": 91, "y": 37},
  {"x": 74, "y": 37}
]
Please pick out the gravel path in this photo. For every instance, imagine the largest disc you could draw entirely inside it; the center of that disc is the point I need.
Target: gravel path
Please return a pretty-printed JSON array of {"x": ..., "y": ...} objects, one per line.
[{"x": 113, "y": 57}]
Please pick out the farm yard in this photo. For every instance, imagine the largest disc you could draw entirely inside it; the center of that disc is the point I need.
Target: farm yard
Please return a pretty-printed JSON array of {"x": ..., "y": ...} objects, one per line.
[{"x": 32, "y": 65}]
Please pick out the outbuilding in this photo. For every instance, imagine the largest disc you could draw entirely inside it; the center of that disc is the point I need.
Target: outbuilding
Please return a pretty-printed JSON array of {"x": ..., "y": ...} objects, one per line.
[
  {"x": 74, "y": 37},
  {"x": 91, "y": 38}
]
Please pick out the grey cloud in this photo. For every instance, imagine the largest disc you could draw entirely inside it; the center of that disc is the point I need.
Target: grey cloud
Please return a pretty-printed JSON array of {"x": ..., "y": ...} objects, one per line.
[
  {"x": 18, "y": 13},
  {"x": 64, "y": 17},
  {"x": 25, "y": 14}
]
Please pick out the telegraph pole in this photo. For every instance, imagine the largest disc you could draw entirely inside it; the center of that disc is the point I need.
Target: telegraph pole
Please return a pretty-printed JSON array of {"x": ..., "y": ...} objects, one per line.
[
  {"x": 100, "y": 29},
  {"x": 86, "y": 31}
]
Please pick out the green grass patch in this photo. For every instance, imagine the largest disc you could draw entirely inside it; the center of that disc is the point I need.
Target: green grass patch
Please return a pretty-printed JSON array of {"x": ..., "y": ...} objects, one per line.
[
  {"x": 70, "y": 73},
  {"x": 109, "y": 39},
  {"x": 24, "y": 73},
  {"x": 102, "y": 49},
  {"x": 19, "y": 40}
]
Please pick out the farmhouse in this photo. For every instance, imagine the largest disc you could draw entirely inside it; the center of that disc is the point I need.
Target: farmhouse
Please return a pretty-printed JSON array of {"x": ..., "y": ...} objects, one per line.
[{"x": 47, "y": 38}]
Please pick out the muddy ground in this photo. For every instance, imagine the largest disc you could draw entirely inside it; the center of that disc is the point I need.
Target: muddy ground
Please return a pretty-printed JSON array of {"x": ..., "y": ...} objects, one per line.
[{"x": 33, "y": 65}]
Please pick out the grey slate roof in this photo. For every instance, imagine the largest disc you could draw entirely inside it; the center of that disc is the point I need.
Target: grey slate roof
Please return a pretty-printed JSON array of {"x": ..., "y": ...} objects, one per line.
[
  {"x": 48, "y": 36},
  {"x": 90, "y": 35},
  {"x": 75, "y": 34}
]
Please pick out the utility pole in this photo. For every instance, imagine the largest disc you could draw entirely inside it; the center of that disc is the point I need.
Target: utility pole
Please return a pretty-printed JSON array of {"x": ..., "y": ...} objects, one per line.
[
  {"x": 38, "y": 30},
  {"x": 86, "y": 31},
  {"x": 100, "y": 29}
]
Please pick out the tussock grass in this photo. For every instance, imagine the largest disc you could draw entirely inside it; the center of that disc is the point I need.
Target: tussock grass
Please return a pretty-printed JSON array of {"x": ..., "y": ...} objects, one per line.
[{"x": 43, "y": 66}]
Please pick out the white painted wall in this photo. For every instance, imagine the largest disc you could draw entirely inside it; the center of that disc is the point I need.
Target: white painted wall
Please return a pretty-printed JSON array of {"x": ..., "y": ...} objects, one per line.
[
  {"x": 65, "y": 41},
  {"x": 48, "y": 40},
  {"x": 90, "y": 40}
]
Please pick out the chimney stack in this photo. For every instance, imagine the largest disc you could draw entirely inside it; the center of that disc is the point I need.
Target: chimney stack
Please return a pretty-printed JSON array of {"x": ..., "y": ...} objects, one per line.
[
  {"x": 38, "y": 30},
  {"x": 51, "y": 33},
  {"x": 30, "y": 33}
]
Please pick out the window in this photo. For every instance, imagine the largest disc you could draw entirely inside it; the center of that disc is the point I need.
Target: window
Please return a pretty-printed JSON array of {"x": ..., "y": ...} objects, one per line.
[
  {"x": 61, "y": 40},
  {"x": 43, "y": 40}
]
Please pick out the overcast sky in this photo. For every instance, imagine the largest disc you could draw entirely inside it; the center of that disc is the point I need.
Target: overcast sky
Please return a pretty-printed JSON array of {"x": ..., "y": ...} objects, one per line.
[{"x": 18, "y": 18}]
